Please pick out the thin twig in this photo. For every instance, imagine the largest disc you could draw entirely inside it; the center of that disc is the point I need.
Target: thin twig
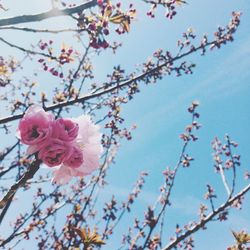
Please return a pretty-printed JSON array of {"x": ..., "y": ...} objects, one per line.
[
  {"x": 8, "y": 150},
  {"x": 28, "y": 51},
  {"x": 234, "y": 167}
]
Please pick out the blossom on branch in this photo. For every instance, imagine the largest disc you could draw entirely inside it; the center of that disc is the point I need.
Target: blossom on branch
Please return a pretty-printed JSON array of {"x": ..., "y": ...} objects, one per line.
[{"x": 73, "y": 146}]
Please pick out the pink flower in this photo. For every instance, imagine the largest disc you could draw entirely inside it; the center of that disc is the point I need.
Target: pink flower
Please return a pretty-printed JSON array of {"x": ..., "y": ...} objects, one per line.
[
  {"x": 76, "y": 158},
  {"x": 73, "y": 146},
  {"x": 54, "y": 152},
  {"x": 89, "y": 142},
  {"x": 100, "y": 2},
  {"x": 35, "y": 127},
  {"x": 65, "y": 129}
]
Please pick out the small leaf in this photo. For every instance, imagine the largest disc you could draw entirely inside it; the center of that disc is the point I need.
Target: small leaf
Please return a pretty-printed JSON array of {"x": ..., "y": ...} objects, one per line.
[
  {"x": 118, "y": 18},
  {"x": 241, "y": 237},
  {"x": 180, "y": 2},
  {"x": 126, "y": 25},
  {"x": 89, "y": 238}
]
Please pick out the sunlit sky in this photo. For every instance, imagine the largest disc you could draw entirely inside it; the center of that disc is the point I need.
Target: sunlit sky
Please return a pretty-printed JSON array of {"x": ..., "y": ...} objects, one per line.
[{"x": 220, "y": 83}]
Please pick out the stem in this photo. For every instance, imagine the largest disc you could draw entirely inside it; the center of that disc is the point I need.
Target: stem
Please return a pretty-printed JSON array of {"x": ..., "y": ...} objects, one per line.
[
  {"x": 28, "y": 51},
  {"x": 8, "y": 150}
]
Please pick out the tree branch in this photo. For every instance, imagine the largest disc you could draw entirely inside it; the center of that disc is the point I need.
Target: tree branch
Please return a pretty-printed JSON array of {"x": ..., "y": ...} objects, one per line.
[
  {"x": 111, "y": 89},
  {"x": 41, "y": 30},
  {"x": 28, "y": 175},
  {"x": 208, "y": 218},
  {"x": 48, "y": 14},
  {"x": 5, "y": 209}
]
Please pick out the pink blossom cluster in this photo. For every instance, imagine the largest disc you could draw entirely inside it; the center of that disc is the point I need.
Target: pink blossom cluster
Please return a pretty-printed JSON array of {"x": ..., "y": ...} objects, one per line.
[{"x": 72, "y": 146}]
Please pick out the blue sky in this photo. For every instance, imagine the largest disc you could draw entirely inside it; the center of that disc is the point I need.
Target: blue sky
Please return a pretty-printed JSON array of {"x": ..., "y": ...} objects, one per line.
[{"x": 221, "y": 83}]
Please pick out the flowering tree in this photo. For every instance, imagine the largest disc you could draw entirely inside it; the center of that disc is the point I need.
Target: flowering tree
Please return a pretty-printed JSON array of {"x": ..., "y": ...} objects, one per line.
[{"x": 62, "y": 208}]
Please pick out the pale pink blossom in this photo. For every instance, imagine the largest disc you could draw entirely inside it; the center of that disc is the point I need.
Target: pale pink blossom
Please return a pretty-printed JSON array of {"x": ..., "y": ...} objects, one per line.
[
  {"x": 54, "y": 152},
  {"x": 65, "y": 129},
  {"x": 35, "y": 127},
  {"x": 62, "y": 175},
  {"x": 89, "y": 141}
]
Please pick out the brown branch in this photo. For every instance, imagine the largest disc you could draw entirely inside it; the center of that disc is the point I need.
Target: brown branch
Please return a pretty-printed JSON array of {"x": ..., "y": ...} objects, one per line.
[
  {"x": 215, "y": 43},
  {"x": 5, "y": 209},
  {"x": 208, "y": 218},
  {"x": 48, "y": 14},
  {"x": 108, "y": 90},
  {"x": 28, "y": 175}
]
